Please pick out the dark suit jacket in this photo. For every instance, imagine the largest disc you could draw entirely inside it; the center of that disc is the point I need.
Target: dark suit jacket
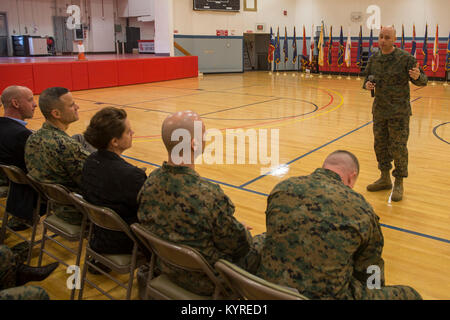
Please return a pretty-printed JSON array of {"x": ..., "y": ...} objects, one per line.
[
  {"x": 109, "y": 181},
  {"x": 13, "y": 136}
]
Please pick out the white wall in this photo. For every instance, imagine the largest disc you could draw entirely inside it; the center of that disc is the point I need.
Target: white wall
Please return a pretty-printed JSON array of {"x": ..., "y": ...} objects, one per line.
[
  {"x": 101, "y": 33},
  {"x": 33, "y": 17},
  {"x": 190, "y": 22},
  {"x": 395, "y": 12},
  {"x": 299, "y": 12}
]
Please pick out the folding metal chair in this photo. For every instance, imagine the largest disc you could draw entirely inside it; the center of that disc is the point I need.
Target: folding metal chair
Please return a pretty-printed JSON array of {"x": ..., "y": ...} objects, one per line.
[
  {"x": 121, "y": 263},
  {"x": 251, "y": 287},
  {"x": 17, "y": 176},
  {"x": 179, "y": 256},
  {"x": 59, "y": 195}
]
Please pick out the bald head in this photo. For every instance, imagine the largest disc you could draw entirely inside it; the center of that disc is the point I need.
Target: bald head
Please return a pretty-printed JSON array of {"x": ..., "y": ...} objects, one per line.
[
  {"x": 345, "y": 164},
  {"x": 11, "y": 93},
  {"x": 388, "y": 30},
  {"x": 386, "y": 39},
  {"x": 179, "y": 120},
  {"x": 18, "y": 102}
]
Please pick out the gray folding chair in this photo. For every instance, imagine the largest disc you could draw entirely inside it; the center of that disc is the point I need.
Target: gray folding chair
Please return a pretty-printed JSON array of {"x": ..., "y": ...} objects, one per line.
[
  {"x": 121, "y": 263},
  {"x": 17, "y": 176},
  {"x": 179, "y": 256},
  {"x": 59, "y": 195},
  {"x": 251, "y": 287}
]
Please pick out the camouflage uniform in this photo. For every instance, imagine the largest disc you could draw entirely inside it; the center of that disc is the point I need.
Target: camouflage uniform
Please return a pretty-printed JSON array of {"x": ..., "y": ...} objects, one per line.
[
  {"x": 52, "y": 156},
  {"x": 178, "y": 205},
  {"x": 8, "y": 291},
  {"x": 321, "y": 238},
  {"x": 24, "y": 293},
  {"x": 391, "y": 108}
]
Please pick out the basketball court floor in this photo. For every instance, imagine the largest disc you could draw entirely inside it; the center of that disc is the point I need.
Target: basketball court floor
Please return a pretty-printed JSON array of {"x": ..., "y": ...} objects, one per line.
[{"x": 313, "y": 117}]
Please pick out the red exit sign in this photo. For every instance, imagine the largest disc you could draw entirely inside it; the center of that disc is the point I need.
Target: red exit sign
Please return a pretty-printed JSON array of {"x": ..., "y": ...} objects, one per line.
[{"x": 222, "y": 33}]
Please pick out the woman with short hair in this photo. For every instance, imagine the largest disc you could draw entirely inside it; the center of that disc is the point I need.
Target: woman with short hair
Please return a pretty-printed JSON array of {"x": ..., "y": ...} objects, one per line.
[{"x": 108, "y": 180}]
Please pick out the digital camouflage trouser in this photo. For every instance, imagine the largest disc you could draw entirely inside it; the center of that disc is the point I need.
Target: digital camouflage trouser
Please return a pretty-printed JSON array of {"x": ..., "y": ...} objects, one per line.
[
  {"x": 390, "y": 143},
  {"x": 8, "y": 290},
  {"x": 24, "y": 293}
]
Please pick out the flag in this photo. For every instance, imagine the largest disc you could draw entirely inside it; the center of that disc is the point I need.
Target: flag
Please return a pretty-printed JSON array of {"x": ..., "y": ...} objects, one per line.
[
  {"x": 285, "y": 46},
  {"x": 348, "y": 50},
  {"x": 271, "y": 46},
  {"x": 402, "y": 43},
  {"x": 311, "y": 47},
  {"x": 320, "y": 47},
  {"x": 370, "y": 44},
  {"x": 360, "y": 48},
  {"x": 294, "y": 45},
  {"x": 304, "y": 52},
  {"x": 330, "y": 46},
  {"x": 413, "y": 46},
  {"x": 425, "y": 49},
  {"x": 435, "y": 60},
  {"x": 277, "y": 47},
  {"x": 341, "y": 49},
  {"x": 447, "y": 63}
]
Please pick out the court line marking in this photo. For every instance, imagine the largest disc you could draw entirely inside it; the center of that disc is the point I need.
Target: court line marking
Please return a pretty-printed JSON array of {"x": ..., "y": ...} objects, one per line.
[
  {"x": 266, "y": 195},
  {"x": 157, "y": 137},
  {"x": 279, "y": 118},
  {"x": 306, "y": 154},
  {"x": 436, "y": 135},
  {"x": 243, "y": 106},
  {"x": 302, "y": 156}
]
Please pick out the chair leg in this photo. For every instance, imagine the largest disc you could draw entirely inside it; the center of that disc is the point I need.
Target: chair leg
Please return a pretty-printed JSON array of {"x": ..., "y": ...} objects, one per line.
[
  {"x": 44, "y": 235},
  {"x": 83, "y": 276},
  {"x": 4, "y": 223},
  {"x": 77, "y": 262},
  {"x": 132, "y": 267},
  {"x": 149, "y": 276},
  {"x": 33, "y": 236}
]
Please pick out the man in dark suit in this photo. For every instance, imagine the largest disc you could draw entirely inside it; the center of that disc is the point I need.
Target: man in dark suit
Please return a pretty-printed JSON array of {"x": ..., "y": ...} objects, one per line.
[{"x": 19, "y": 105}]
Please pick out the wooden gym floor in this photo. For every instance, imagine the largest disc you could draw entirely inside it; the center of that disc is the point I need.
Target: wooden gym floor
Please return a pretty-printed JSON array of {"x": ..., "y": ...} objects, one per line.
[{"x": 314, "y": 116}]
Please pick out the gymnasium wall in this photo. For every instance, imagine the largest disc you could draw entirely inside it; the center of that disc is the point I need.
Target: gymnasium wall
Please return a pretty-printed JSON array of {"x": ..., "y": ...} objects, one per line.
[
  {"x": 34, "y": 17},
  {"x": 307, "y": 12},
  {"x": 215, "y": 54},
  {"x": 397, "y": 12}
]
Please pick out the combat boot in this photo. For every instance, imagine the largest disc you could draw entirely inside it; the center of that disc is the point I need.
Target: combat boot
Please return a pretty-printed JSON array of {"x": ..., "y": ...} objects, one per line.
[
  {"x": 397, "y": 193},
  {"x": 26, "y": 273},
  {"x": 384, "y": 183}
]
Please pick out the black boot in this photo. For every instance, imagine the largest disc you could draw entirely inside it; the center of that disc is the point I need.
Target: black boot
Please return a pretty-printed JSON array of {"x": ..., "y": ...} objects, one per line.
[
  {"x": 26, "y": 273},
  {"x": 16, "y": 224}
]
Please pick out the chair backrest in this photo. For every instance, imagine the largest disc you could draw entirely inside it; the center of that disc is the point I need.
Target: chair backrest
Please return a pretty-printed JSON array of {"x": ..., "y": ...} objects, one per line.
[
  {"x": 180, "y": 256},
  {"x": 252, "y": 287},
  {"x": 56, "y": 193},
  {"x": 37, "y": 187},
  {"x": 100, "y": 216},
  {"x": 15, "y": 174}
]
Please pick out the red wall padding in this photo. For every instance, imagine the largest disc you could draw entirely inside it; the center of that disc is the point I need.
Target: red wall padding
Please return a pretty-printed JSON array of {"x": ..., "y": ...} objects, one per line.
[
  {"x": 16, "y": 74},
  {"x": 155, "y": 70},
  {"x": 82, "y": 75},
  {"x": 52, "y": 74},
  {"x": 130, "y": 71},
  {"x": 102, "y": 74}
]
